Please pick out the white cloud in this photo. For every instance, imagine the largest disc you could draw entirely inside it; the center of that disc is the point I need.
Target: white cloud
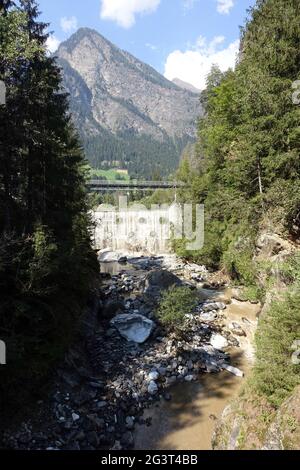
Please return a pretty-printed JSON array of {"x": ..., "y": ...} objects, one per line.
[
  {"x": 125, "y": 11},
  {"x": 224, "y": 6},
  {"x": 69, "y": 24},
  {"x": 151, "y": 46},
  {"x": 194, "y": 65},
  {"x": 52, "y": 43}
]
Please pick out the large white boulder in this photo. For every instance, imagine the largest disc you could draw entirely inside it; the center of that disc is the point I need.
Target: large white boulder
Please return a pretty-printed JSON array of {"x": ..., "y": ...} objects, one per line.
[
  {"x": 112, "y": 257},
  {"x": 218, "y": 341},
  {"x": 133, "y": 327}
]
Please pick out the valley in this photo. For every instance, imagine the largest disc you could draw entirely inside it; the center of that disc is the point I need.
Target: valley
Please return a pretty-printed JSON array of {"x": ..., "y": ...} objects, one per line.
[{"x": 173, "y": 321}]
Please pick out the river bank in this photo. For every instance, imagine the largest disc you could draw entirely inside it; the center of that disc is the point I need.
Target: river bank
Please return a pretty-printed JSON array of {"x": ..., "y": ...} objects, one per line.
[{"x": 104, "y": 396}]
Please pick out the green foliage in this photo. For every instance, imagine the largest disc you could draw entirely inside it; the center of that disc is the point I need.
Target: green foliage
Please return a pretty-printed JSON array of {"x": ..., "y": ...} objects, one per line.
[
  {"x": 248, "y": 143},
  {"x": 111, "y": 175},
  {"x": 159, "y": 197},
  {"x": 176, "y": 302},
  {"x": 238, "y": 260},
  {"x": 46, "y": 261},
  {"x": 275, "y": 376}
]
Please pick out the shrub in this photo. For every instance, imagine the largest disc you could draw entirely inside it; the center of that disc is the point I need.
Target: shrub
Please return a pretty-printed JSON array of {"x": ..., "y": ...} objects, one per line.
[
  {"x": 176, "y": 302},
  {"x": 275, "y": 376},
  {"x": 238, "y": 257}
]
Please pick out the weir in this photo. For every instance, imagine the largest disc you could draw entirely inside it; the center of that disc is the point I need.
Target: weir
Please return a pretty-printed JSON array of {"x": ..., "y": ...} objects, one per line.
[{"x": 136, "y": 230}]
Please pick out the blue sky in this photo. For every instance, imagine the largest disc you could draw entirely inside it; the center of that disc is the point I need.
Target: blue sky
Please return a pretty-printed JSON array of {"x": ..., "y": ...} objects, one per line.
[{"x": 179, "y": 38}]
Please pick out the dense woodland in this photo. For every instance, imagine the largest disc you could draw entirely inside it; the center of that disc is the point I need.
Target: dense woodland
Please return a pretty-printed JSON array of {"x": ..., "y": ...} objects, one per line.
[
  {"x": 46, "y": 262},
  {"x": 248, "y": 143},
  {"x": 143, "y": 156},
  {"x": 246, "y": 170}
]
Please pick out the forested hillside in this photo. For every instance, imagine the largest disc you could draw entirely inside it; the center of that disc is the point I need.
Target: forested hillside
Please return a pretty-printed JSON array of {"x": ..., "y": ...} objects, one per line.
[
  {"x": 46, "y": 262},
  {"x": 248, "y": 177},
  {"x": 249, "y": 141}
]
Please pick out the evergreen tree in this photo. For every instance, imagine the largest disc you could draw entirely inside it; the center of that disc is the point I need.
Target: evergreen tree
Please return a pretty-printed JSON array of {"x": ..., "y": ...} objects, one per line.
[
  {"x": 46, "y": 261},
  {"x": 249, "y": 141}
]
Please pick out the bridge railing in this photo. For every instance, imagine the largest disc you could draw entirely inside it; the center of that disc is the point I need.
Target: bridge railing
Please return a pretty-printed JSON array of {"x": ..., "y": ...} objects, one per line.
[{"x": 134, "y": 184}]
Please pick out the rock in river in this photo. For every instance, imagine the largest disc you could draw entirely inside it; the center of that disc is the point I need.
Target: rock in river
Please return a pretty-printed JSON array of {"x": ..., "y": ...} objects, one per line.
[
  {"x": 218, "y": 341},
  {"x": 161, "y": 280},
  {"x": 152, "y": 388},
  {"x": 112, "y": 257},
  {"x": 133, "y": 327}
]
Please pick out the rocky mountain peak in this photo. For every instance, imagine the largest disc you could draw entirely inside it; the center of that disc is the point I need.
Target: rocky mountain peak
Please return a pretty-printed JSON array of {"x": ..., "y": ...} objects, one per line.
[{"x": 116, "y": 97}]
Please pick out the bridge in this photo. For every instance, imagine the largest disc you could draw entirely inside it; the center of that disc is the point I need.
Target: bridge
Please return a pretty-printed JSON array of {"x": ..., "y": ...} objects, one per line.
[{"x": 104, "y": 185}]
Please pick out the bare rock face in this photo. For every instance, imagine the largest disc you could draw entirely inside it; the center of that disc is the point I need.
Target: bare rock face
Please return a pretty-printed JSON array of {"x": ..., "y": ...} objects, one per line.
[
  {"x": 122, "y": 107},
  {"x": 284, "y": 432},
  {"x": 185, "y": 85},
  {"x": 241, "y": 426}
]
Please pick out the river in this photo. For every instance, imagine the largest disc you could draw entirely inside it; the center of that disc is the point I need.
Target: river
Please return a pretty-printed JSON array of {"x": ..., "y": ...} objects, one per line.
[{"x": 187, "y": 421}]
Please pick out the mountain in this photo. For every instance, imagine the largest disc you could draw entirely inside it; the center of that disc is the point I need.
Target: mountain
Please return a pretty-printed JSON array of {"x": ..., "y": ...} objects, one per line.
[
  {"x": 127, "y": 114},
  {"x": 186, "y": 86}
]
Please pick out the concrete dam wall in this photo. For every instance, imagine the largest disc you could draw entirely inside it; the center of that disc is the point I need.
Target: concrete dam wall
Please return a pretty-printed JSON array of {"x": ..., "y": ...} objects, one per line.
[{"x": 135, "y": 230}]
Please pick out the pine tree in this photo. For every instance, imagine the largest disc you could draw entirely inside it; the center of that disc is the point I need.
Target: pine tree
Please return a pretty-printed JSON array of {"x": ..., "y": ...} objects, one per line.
[
  {"x": 46, "y": 260},
  {"x": 249, "y": 139}
]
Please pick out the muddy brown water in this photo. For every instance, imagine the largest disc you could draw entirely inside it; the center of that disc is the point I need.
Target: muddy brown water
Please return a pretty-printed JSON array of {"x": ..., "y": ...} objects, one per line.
[{"x": 188, "y": 421}]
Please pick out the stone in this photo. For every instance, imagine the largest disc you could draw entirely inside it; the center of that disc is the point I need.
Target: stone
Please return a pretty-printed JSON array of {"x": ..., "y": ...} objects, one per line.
[
  {"x": 117, "y": 446},
  {"x": 209, "y": 316},
  {"x": 237, "y": 329},
  {"x": 161, "y": 280},
  {"x": 154, "y": 375},
  {"x": 171, "y": 380},
  {"x": 233, "y": 370},
  {"x": 127, "y": 439},
  {"x": 218, "y": 341},
  {"x": 189, "y": 378},
  {"x": 98, "y": 422},
  {"x": 162, "y": 371},
  {"x": 111, "y": 257},
  {"x": 211, "y": 306},
  {"x": 129, "y": 423},
  {"x": 183, "y": 371},
  {"x": 75, "y": 417},
  {"x": 97, "y": 385},
  {"x": 152, "y": 388},
  {"x": 101, "y": 405},
  {"x": 133, "y": 327}
]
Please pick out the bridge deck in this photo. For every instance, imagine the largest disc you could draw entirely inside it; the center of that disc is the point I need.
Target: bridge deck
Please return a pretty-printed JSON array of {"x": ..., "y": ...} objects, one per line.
[{"x": 104, "y": 185}]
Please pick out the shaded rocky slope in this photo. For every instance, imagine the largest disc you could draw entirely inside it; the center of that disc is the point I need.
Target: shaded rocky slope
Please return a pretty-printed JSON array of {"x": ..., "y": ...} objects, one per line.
[{"x": 126, "y": 112}]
